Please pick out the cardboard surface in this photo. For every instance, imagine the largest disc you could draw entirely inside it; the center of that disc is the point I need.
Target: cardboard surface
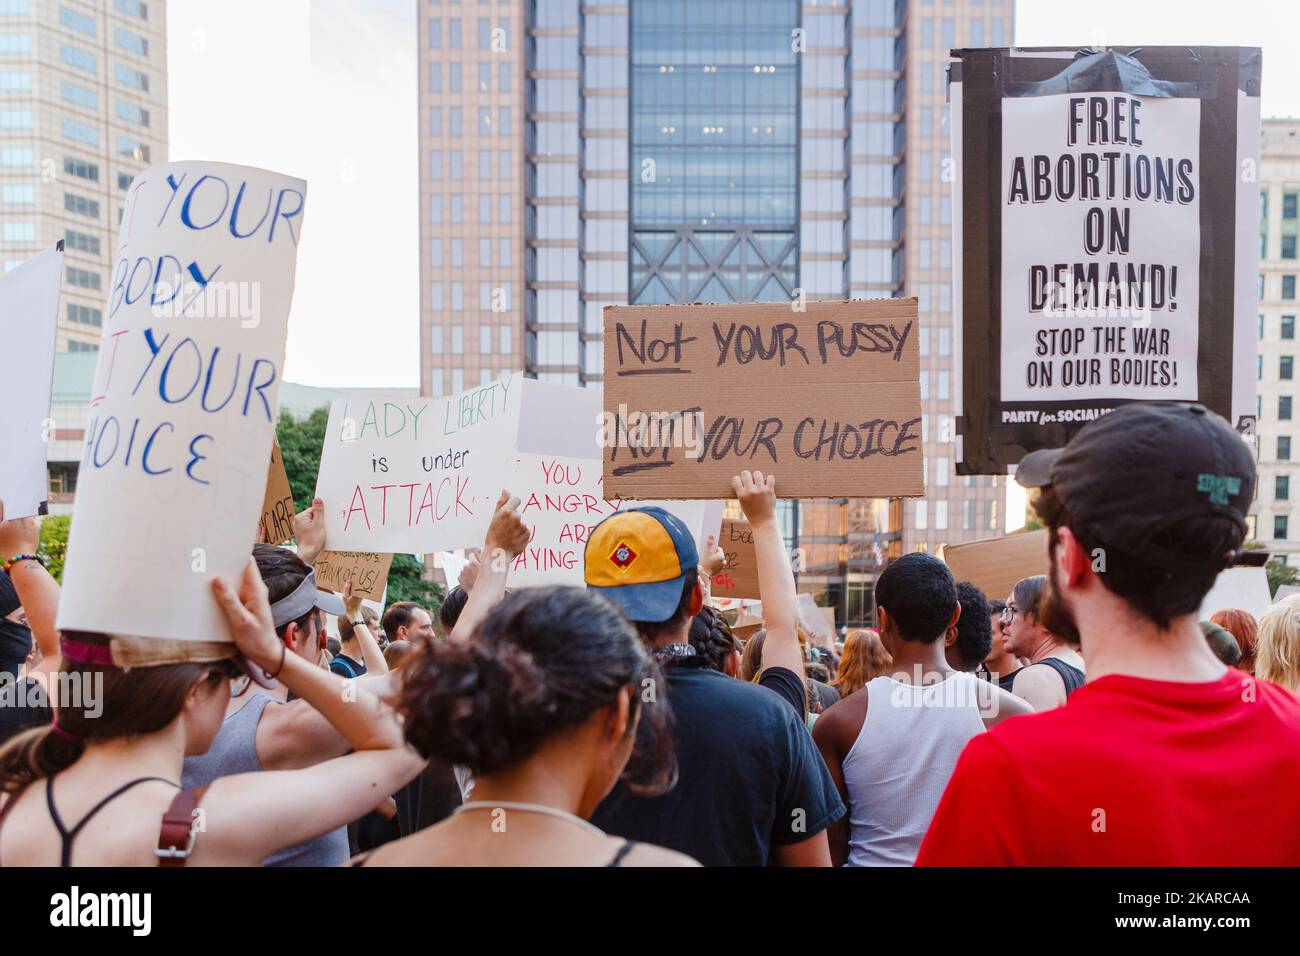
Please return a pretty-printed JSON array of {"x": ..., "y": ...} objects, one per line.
[
  {"x": 996, "y": 564},
  {"x": 827, "y": 399},
  {"x": 276, "y": 522},
  {"x": 367, "y": 569},
  {"x": 739, "y": 576},
  {"x": 29, "y": 317}
]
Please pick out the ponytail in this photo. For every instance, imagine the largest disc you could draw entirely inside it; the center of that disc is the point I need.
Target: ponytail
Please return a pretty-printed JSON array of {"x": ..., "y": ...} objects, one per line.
[{"x": 35, "y": 754}]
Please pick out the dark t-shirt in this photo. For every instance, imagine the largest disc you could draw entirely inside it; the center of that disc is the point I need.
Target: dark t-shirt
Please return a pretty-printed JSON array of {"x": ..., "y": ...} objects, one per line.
[
  {"x": 749, "y": 776},
  {"x": 23, "y": 705},
  {"x": 786, "y": 683},
  {"x": 345, "y": 666}
]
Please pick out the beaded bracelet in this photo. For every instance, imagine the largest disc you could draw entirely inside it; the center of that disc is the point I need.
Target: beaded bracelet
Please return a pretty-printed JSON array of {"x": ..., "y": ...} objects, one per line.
[{"x": 22, "y": 557}]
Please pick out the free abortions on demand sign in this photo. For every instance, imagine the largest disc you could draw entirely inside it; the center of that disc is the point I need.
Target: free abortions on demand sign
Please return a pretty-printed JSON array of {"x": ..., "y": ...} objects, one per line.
[{"x": 1100, "y": 247}]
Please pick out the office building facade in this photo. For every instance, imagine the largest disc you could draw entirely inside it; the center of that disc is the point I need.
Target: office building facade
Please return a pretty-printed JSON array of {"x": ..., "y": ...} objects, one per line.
[
  {"x": 576, "y": 155},
  {"x": 83, "y": 109},
  {"x": 1273, "y": 524}
]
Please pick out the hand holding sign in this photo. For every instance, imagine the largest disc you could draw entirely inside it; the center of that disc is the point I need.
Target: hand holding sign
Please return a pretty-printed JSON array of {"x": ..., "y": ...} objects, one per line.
[
  {"x": 507, "y": 534},
  {"x": 757, "y": 496},
  {"x": 248, "y": 616}
]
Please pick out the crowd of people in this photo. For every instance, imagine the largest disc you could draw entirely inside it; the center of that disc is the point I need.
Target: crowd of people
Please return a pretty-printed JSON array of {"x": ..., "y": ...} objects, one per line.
[{"x": 1087, "y": 717}]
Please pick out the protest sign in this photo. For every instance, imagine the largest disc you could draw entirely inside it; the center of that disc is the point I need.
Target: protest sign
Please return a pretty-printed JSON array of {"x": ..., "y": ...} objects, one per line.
[
  {"x": 29, "y": 317},
  {"x": 1105, "y": 245},
  {"x": 1245, "y": 589},
  {"x": 183, "y": 403},
  {"x": 994, "y": 565},
  {"x": 561, "y": 487},
  {"x": 405, "y": 475},
  {"x": 368, "y": 571},
  {"x": 739, "y": 575},
  {"x": 818, "y": 621},
  {"x": 276, "y": 524},
  {"x": 824, "y": 395}
]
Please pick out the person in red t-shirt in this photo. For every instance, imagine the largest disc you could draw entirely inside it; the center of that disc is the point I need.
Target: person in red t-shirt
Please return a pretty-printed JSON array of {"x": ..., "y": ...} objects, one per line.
[{"x": 1165, "y": 757}]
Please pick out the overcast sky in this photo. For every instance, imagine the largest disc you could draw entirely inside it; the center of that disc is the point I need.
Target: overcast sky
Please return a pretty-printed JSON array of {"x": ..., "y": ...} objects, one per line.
[{"x": 326, "y": 90}]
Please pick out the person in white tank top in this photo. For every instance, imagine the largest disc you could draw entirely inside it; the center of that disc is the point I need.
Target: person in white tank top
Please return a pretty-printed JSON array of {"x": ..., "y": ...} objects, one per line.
[{"x": 892, "y": 746}]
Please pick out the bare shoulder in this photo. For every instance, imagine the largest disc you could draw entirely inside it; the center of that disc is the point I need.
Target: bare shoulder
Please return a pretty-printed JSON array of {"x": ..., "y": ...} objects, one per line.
[
  {"x": 648, "y": 854},
  {"x": 841, "y": 722},
  {"x": 998, "y": 705},
  {"x": 1038, "y": 680}
]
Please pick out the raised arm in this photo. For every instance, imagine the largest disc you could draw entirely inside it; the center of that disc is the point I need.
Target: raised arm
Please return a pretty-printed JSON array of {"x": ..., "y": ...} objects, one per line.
[
  {"x": 757, "y": 495},
  {"x": 506, "y": 538},
  {"x": 38, "y": 592},
  {"x": 251, "y": 815},
  {"x": 309, "y": 531},
  {"x": 352, "y": 624}
]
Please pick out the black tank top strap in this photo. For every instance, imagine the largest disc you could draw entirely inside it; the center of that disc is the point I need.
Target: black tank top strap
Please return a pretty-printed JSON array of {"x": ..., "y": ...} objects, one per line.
[
  {"x": 623, "y": 851},
  {"x": 1070, "y": 675},
  {"x": 66, "y": 835}
]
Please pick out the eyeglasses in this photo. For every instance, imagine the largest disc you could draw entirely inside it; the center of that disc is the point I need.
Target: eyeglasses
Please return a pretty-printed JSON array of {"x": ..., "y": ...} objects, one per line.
[{"x": 1009, "y": 613}]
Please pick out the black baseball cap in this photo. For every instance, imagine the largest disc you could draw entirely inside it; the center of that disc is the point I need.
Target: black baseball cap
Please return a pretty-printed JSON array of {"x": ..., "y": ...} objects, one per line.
[{"x": 1143, "y": 468}]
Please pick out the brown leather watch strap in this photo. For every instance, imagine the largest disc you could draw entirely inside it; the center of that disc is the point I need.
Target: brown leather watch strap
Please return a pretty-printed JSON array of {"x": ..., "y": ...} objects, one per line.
[{"x": 177, "y": 834}]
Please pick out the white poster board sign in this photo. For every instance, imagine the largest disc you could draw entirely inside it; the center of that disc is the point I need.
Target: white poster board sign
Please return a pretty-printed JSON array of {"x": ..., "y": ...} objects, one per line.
[
  {"x": 29, "y": 316},
  {"x": 558, "y": 481},
  {"x": 184, "y": 399},
  {"x": 1243, "y": 588},
  {"x": 409, "y": 475}
]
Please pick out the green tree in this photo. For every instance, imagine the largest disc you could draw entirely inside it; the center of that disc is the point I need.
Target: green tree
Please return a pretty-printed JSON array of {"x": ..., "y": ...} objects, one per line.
[
  {"x": 1280, "y": 574},
  {"x": 301, "y": 441},
  {"x": 54, "y": 543}
]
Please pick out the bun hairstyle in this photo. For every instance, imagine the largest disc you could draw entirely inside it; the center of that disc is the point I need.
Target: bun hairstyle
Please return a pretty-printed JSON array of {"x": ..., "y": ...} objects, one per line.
[
  {"x": 108, "y": 704},
  {"x": 542, "y": 661}
]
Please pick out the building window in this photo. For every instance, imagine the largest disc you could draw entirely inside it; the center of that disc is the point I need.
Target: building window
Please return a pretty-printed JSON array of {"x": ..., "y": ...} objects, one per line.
[
  {"x": 133, "y": 8},
  {"x": 435, "y": 382},
  {"x": 1288, "y": 247},
  {"x": 505, "y": 339},
  {"x": 485, "y": 340},
  {"x": 1284, "y": 408},
  {"x": 1282, "y": 488},
  {"x": 457, "y": 305},
  {"x": 131, "y": 42},
  {"x": 457, "y": 122},
  {"x": 132, "y": 78},
  {"x": 453, "y": 34},
  {"x": 1289, "y": 205},
  {"x": 17, "y": 157},
  {"x": 16, "y": 119},
  {"x": 20, "y": 232},
  {"x": 132, "y": 113},
  {"x": 435, "y": 339},
  {"x": 18, "y": 194},
  {"x": 458, "y": 340},
  {"x": 80, "y": 132},
  {"x": 81, "y": 22},
  {"x": 435, "y": 77},
  {"x": 81, "y": 242},
  {"x": 1288, "y": 287},
  {"x": 82, "y": 278},
  {"x": 84, "y": 314},
  {"x": 81, "y": 205},
  {"x": 1279, "y": 527},
  {"x": 1288, "y": 326},
  {"x": 79, "y": 95},
  {"x": 1283, "y": 447},
  {"x": 74, "y": 346},
  {"x": 126, "y": 146},
  {"x": 81, "y": 169},
  {"x": 1285, "y": 368}
]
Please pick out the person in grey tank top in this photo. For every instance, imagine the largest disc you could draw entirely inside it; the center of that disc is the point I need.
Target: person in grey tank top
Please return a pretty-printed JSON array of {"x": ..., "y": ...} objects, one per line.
[
  {"x": 235, "y": 751},
  {"x": 265, "y": 732},
  {"x": 892, "y": 746}
]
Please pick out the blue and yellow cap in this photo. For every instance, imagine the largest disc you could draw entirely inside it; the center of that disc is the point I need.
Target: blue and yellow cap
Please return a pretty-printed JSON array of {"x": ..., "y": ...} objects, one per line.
[{"x": 639, "y": 559}]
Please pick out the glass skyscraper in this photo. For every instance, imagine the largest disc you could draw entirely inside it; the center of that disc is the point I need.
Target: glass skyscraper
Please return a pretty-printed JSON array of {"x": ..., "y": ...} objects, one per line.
[{"x": 576, "y": 155}]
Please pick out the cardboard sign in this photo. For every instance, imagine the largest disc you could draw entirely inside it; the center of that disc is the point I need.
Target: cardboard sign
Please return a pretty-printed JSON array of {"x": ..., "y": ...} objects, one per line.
[
  {"x": 818, "y": 621},
  {"x": 408, "y": 475},
  {"x": 276, "y": 523},
  {"x": 826, "y": 397},
  {"x": 1107, "y": 242},
  {"x": 29, "y": 317},
  {"x": 561, "y": 487},
  {"x": 996, "y": 564},
  {"x": 182, "y": 408},
  {"x": 1245, "y": 589},
  {"x": 739, "y": 576},
  {"x": 368, "y": 571}
]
